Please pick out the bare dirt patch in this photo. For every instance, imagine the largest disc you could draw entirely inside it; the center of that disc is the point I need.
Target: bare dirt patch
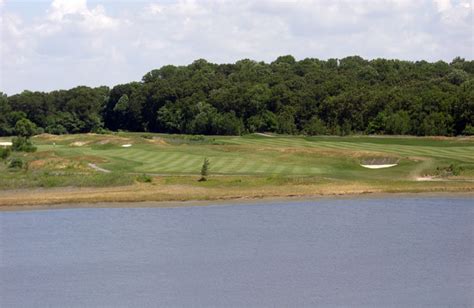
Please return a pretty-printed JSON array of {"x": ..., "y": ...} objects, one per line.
[
  {"x": 97, "y": 168},
  {"x": 78, "y": 143}
]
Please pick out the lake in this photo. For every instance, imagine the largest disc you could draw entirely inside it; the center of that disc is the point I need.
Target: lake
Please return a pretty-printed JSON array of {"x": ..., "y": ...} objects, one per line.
[{"x": 397, "y": 252}]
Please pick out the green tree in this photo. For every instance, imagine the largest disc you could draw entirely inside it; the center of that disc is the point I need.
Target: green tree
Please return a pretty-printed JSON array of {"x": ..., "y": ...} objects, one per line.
[
  {"x": 25, "y": 128},
  {"x": 22, "y": 144},
  {"x": 398, "y": 123},
  {"x": 5, "y": 109},
  {"x": 350, "y": 95},
  {"x": 205, "y": 170},
  {"x": 315, "y": 126},
  {"x": 286, "y": 122},
  {"x": 435, "y": 124}
]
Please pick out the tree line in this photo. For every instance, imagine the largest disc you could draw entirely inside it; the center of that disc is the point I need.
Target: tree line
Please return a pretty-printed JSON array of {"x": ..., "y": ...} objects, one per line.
[{"x": 311, "y": 96}]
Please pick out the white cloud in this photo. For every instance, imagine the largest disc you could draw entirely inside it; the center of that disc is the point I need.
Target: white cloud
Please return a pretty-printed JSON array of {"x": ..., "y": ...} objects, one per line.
[
  {"x": 457, "y": 15},
  {"x": 61, "y": 8},
  {"x": 120, "y": 41},
  {"x": 443, "y": 5},
  {"x": 76, "y": 12}
]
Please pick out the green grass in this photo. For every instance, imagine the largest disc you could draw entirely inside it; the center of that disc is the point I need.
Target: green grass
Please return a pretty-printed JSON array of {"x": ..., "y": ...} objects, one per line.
[{"x": 253, "y": 155}]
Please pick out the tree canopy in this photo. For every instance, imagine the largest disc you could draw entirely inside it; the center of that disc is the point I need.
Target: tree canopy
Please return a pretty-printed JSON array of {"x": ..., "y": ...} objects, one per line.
[{"x": 310, "y": 96}]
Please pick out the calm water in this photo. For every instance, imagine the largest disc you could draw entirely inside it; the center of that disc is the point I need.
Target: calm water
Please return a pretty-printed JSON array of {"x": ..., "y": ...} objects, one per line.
[{"x": 376, "y": 252}]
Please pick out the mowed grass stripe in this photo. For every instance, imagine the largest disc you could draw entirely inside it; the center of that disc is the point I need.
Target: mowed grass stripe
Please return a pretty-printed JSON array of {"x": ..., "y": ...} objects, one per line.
[
  {"x": 234, "y": 166},
  {"x": 469, "y": 151},
  {"x": 249, "y": 167},
  {"x": 161, "y": 161},
  {"x": 143, "y": 157},
  {"x": 175, "y": 165},
  {"x": 217, "y": 163},
  {"x": 193, "y": 165},
  {"x": 278, "y": 169},
  {"x": 242, "y": 166},
  {"x": 406, "y": 150},
  {"x": 135, "y": 155},
  {"x": 261, "y": 167},
  {"x": 158, "y": 165},
  {"x": 270, "y": 168},
  {"x": 289, "y": 143},
  {"x": 292, "y": 169},
  {"x": 463, "y": 153}
]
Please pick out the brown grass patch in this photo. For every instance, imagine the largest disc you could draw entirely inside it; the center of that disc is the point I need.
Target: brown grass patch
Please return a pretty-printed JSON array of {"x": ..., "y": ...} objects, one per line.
[
  {"x": 55, "y": 163},
  {"x": 157, "y": 140}
]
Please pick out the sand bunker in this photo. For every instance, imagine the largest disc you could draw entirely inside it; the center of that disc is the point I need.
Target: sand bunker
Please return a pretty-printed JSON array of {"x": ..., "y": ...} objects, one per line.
[
  {"x": 126, "y": 145},
  {"x": 425, "y": 178},
  {"x": 78, "y": 144},
  {"x": 379, "y": 162},
  {"x": 264, "y": 135},
  {"x": 379, "y": 166},
  {"x": 5, "y": 144}
]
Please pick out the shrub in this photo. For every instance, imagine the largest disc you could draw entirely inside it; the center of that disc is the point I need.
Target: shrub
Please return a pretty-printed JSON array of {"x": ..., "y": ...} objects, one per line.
[
  {"x": 197, "y": 138},
  {"x": 455, "y": 169},
  {"x": 22, "y": 144},
  {"x": 5, "y": 153},
  {"x": 56, "y": 129},
  {"x": 469, "y": 130},
  {"x": 15, "y": 163},
  {"x": 144, "y": 178},
  {"x": 101, "y": 131},
  {"x": 315, "y": 127},
  {"x": 452, "y": 169}
]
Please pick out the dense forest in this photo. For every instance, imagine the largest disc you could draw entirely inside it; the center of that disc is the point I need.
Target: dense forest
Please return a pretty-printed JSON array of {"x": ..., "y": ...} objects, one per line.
[{"x": 311, "y": 96}]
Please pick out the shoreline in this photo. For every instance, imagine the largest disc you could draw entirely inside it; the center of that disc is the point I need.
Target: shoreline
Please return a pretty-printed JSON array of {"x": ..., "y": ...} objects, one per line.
[{"x": 233, "y": 201}]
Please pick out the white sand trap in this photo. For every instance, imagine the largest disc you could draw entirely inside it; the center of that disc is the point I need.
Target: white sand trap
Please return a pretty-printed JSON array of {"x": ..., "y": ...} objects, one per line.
[
  {"x": 6, "y": 144},
  {"x": 379, "y": 166},
  {"x": 425, "y": 178},
  {"x": 126, "y": 145},
  {"x": 264, "y": 135}
]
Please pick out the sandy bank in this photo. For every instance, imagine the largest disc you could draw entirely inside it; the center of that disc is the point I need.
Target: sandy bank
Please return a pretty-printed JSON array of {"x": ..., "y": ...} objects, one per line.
[{"x": 186, "y": 195}]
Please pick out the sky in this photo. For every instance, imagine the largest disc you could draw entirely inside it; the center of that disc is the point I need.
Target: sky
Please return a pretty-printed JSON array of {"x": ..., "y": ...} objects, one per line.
[{"x": 59, "y": 44}]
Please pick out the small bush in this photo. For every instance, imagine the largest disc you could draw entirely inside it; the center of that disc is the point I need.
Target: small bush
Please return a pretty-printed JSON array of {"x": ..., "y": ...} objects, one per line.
[
  {"x": 455, "y": 169},
  {"x": 469, "y": 130},
  {"x": 15, "y": 163},
  {"x": 5, "y": 153},
  {"x": 56, "y": 129},
  {"x": 101, "y": 131},
  {"x": 197, "y": 138},
  {"x": 144, "y": 178},
  {"x": 22, "y": 144},
  {"x": 452, "y": 169}
]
